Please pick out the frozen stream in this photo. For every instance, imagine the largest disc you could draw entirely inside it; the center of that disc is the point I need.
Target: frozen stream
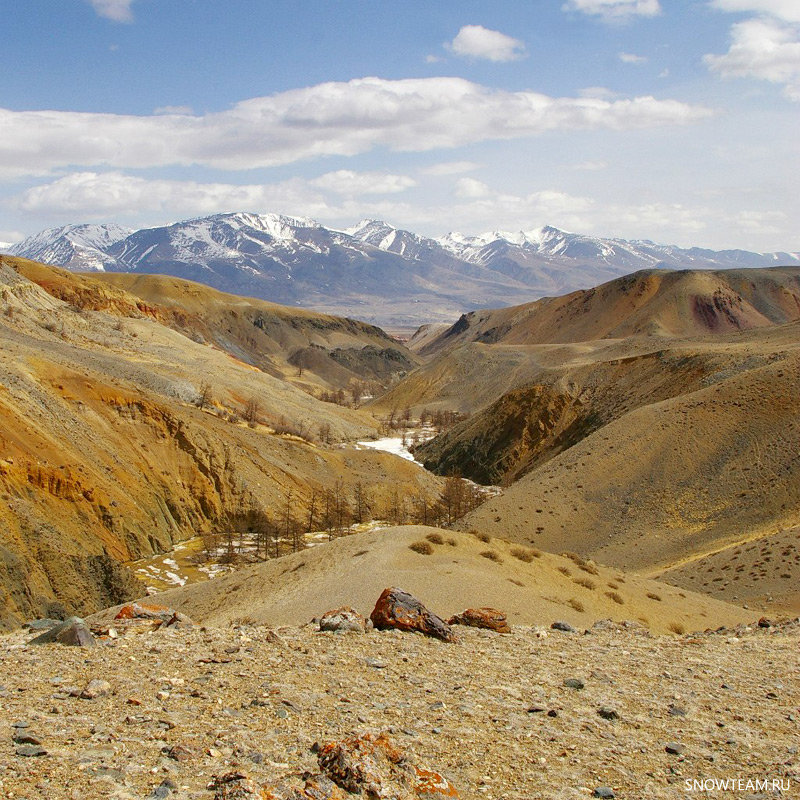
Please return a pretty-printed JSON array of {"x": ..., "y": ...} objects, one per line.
[{"x": 394, "y": 444}]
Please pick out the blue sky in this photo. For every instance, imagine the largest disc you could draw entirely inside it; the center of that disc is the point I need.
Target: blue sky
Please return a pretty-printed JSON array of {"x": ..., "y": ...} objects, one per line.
[{"x": 671, "y": 121}]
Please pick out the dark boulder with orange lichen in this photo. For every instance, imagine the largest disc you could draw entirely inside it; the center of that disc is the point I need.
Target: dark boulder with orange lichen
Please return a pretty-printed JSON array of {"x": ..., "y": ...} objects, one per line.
[
  {"x": 489, "y": 618},
  {"x": 398, "y": 609}
]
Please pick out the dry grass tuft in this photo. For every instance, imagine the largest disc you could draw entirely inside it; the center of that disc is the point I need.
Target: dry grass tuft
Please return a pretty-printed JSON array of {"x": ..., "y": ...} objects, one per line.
[
  {"x": 492, "y": 556},
  {"x": 435, "y": 538},
  {"x": 677, "y": 627},
  {"x": 523, "y": 554},
  {"x": 421, "y": 547},
  {"x": 587, "y": 583},
  {"x": 576, "y": 604},
  {"x": 564, "y": 571},
  {"x": 654, "y": 596},
  {"x": 616, "y": 597}
]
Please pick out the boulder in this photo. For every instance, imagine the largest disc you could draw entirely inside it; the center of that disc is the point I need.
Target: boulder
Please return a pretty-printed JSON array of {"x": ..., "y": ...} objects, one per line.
[
  {"x": 372, "y": 766},
  {"x": 138, "y": 613},
  {"x": 73, "y": 632},
  {"x": 398, "y": 609},
  {"x": 489, "y": 618},
  {"x": 342, "y": 619}
]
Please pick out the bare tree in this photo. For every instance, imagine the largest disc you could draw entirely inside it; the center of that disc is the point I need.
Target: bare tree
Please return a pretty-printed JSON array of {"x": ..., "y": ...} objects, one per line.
[
  {"x": 252, "y": 411},
  {"x": 204, "y": 397}
]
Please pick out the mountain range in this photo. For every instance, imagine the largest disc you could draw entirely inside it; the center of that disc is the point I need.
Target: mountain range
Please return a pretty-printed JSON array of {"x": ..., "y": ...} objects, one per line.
[{"x": 372, "y": 271}]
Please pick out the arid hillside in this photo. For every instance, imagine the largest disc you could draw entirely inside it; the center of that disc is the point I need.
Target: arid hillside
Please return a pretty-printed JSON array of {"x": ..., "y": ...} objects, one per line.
[
  {"x": 312, "y": 350},
  {"x": 678, "y": 478},
  {"x": 452, "y": 571},
  {"x": 650, "y": 302},
  {"x": 111, "y": 449}
]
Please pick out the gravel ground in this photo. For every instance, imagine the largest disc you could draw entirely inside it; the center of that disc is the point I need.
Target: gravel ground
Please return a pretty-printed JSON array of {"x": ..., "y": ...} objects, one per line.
[{"x": 491, "y": 712}]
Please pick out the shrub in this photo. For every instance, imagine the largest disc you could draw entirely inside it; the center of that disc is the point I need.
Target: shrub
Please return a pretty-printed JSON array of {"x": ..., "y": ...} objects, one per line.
[
  {"x": 677, "y": 627},
  {"x": 523, "y": 554},
  {"x": 564, "y": 571},
  {"x": 576, "y": 604},
  {"x": 612, "y": 585},
  {"x": 654, "y": 596},
  {"x": 616, "y": 597},
  {"x": 492, "y": 556},
  {"x": 435, "y": 538},
  {"x": 422, "y": 547},
  {"x": 587, "y": 583},
  {"x": 586, "y": 566},
  {"x": 452, "y": 542},
  {"x": 484, "y": 537}
]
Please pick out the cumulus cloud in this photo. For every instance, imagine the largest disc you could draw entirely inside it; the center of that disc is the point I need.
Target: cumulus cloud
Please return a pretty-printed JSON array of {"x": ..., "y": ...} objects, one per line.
[
  {"x": 117, "y": 10},
  {"x": 787, "y": 10},
  {"x": 347, "y": 182},
  {"x": 615, "y": 9},
  {"x": 344, "y": 119},
  {"x": 471, "y": 187},
  {"x": 765, "y": 49},
  {"x": 632, "y": 58},
  {"x": 97, "y": 195},
  {"x": 475, "y": 41}
]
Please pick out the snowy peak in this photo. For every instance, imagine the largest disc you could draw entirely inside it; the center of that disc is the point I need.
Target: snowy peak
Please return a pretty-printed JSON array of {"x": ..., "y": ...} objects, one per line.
[
  {"x": 73, "y": 246},
  {"x": 372, "y": 270}
]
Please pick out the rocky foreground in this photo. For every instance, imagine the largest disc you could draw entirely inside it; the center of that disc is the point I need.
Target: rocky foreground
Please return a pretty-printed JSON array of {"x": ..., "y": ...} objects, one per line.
[{"x": 238, "y": 712}]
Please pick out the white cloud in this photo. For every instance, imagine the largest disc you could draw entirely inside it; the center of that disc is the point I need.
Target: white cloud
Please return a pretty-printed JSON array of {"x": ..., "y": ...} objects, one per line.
[
  {"x": 615, "y": 9},
  {"x": 787, "y": 10},
  {"x": 117, "y": 10},
  {"x": 632, "y": 58},
  {"x": 450, "y": 168},
  {"x": 432, "y": 59},
  {"x": 347, "y": 182},
  {"x": 344, "y": 119},
  {"x": 472, "y": 188},
  {"x": 91, "y": 195},
  {"x": 765, "y": 49},
  {"x": 475, "y": 41}
]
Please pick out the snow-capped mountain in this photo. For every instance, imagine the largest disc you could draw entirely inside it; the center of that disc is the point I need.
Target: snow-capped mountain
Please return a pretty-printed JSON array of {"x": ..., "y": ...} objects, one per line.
[
  {"x": 73, "y": 246},
  {"x": 373, "y": 271}
]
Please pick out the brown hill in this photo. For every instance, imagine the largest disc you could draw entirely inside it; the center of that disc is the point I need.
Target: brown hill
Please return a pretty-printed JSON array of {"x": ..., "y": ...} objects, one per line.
[
  {"x": 106, "y": 454},
  {"x": 461, "y": 570},
  {"x": 650, "y": 302},
  {"x": 308, "y": 348},
  {"x": 667, "y": 480}
]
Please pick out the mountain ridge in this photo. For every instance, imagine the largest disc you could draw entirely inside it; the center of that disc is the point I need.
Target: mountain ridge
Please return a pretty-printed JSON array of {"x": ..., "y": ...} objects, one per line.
[{"x": 373, "y": 271}]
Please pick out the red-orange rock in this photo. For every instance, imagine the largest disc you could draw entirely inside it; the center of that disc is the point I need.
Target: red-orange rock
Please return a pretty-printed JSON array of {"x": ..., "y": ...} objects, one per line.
[
  {"x": 372, "y": 766},
  {"x": 431, "y": 785},
  {"x": 144, "y": 611},
  {"x": 489, "y": 618},
  {"x": 133, "y": 613},
  {"x": 398, "y": 609}
]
